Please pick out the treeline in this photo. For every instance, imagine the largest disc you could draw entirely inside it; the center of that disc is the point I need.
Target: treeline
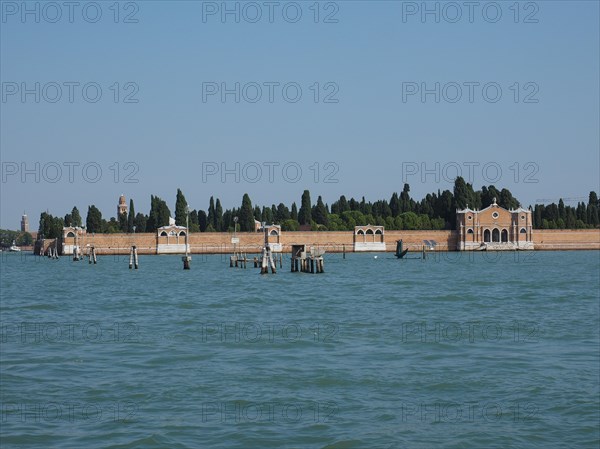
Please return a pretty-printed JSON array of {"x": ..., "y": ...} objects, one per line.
[
  {"x": 400, "y": 212},
  {"x": 20, "y": 238}
]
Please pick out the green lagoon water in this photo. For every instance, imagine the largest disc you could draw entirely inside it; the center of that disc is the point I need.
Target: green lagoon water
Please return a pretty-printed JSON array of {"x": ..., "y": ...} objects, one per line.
[{"x": 460, "y": 351}]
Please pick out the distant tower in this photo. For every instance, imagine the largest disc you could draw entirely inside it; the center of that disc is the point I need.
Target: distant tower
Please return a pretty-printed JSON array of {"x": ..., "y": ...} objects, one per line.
[
  {"x": 24, "y": 223},
  {"x": 122, "y": 207}
]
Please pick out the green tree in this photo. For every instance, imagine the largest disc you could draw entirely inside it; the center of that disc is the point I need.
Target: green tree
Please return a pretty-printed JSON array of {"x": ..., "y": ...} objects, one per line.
[
  {"x": 321, "y": 215},
  {"x": 294, "y": 212},
  {"x": 507, "y": 200},
  {"x": 461, "y": 193},
  {"x": 180, "y": 209},
  {"x": 283, "y": 213},
  {"x": 93, "y": 221},
  {"x": 202, "y": 220},
  {"x": 474, "y": 198},
  {"x": 290, "y": 225},
  {"x": 562, "y": 214},
  {"x": 395, "y": 204},
  {"x": 336, "y": 223},
  {"x": 445, "y": 208},
  {"x": 227, "y": 221},
  {"x": 140, "y": 223},
  {"x": 122, "y": 222},
  {"x": 266, "y": 215},
  {"x": 592, "y": 210},
  {"x": 410, "y": 220},
  {"x": 405, "y": 201},
  {"x": 24, "y": 239},
  {"x": 219, "y": 216},
  {"x": 305, "y": 214},
  {"x": 538, "y": 213},
  {"x": 364, "y": 207},
  {"x": 112, "y": 226},
  {"x": 76, "y": 217},
  {"x": 131, "y": 216},
  {"x": 246, "y": 215},
  {"x": 194, "y": 226},
  {"x": 211, "y": 213},
  {"x": 159, "y": 214},
  {"x": 488, "y": 194}
]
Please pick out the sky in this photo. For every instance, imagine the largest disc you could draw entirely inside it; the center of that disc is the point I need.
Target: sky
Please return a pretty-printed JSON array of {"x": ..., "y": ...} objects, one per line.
[{"x": 220, "y": 99}]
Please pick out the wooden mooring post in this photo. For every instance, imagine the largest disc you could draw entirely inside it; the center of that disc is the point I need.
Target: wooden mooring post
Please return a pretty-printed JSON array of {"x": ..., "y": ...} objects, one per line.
[
  {"x": 267, "y": 261},
  {"x": 267, "y": 255},
  {"x": 239, "y": 260},
  {"x": 92, "y": 255},
  {"x": 52, "y": 253},
  {"x": 133, "y": 257},
  {"x": 187, "y": 259}
]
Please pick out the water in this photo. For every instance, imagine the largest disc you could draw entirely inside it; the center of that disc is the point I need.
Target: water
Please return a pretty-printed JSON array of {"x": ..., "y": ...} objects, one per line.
[{"x": 460, "y": 351}]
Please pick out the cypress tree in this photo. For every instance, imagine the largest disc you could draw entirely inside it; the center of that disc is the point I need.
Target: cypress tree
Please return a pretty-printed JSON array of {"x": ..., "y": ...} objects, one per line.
[
  {"x": 180, "y": 209},
  {"x": 131, "y": 216},
  {"x": 246, "y": 215},
  {"x": 305, "y": 213}
]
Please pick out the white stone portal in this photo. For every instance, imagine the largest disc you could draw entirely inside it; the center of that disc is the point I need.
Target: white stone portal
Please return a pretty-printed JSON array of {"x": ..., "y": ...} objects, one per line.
[{"x": 369, "y": 238}]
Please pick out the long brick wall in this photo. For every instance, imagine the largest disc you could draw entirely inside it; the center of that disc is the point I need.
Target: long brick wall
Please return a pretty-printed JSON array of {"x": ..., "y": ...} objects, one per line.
[
  {"x": 216, "y": 242},
  {"x": 565, "y": 239}
]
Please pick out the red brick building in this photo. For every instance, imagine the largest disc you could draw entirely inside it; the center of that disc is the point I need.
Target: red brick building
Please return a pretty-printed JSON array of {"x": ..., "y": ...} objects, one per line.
[{"x": 494, "y": 228}]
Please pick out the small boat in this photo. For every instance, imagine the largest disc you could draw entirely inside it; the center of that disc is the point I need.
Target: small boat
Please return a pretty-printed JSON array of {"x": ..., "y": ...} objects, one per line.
[{"x": 14, "y": 248}]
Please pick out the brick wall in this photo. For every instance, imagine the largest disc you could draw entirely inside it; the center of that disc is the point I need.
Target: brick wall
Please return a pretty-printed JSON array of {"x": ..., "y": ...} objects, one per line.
[
  {"x": 217, "y": 242},
  {"x": 566, "y": 239}
]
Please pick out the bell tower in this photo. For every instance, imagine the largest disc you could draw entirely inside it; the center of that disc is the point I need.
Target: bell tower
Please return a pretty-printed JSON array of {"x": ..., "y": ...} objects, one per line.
[
  {"x": 24, "y": 223},
  {"x": 122, "y": 207}
]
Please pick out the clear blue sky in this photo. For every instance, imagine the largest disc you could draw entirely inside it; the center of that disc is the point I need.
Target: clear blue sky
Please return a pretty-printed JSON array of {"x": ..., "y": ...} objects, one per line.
[{"x": 368, "y": 55}]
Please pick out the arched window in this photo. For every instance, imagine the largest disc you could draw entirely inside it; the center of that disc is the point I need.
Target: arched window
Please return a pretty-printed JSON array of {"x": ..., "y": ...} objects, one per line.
[
  {"x": 495, "y": 235},
  {"x": 182, "y": 233},
  {"x": 523, "y": 231},
  {"x": 163, "y": 234},
  {"x": 504, "y": 236},
  {"x": 469, "y": 231},
  {"x": 273, "y": 232},
  {"x": 378, "y": 231},
  {"x": 369, "y": 231},
  {"x": 70, "y": 234},
  {"x": 360, "y": 232},
  {"x": 486, "y": 235}
]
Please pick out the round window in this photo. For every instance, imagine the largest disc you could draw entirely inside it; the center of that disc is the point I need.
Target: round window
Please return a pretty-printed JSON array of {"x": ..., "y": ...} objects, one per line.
[
  {"x": 522, "y": 217},
  {"x": 495, "y": 215},
  {"x": 469, "y": 217}
]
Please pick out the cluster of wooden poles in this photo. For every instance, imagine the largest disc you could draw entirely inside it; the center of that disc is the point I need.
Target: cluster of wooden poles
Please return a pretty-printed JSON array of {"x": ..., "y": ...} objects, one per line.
[
  {"x": 308, "y": 265},
  {"x": 52, "y": 253},
  {"x": 240, "y": 260}
]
